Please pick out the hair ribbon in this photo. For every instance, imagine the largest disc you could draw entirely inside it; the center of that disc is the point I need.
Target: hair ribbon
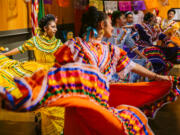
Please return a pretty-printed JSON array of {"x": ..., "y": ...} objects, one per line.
[{"x": 89, "y": 29}]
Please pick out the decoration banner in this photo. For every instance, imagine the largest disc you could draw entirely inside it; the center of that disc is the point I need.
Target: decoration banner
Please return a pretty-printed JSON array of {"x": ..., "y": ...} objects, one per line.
[
  {"x": 110, "y": 6},
  {"x": 97, "y": 3},
  {"x": 139, "y": 5},
  {"x": 47, "y": 1},
  {"x": 125, "y": 6}
]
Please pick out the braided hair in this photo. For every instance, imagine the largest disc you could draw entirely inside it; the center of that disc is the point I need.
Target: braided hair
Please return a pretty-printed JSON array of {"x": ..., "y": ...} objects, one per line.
[{"x": 91, "y": 19}]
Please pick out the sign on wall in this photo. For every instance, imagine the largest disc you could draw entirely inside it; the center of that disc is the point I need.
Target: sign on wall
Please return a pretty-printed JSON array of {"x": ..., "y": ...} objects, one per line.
[
  {"x": 110, "y": 6},
  {"x": 177, "y": 15}
]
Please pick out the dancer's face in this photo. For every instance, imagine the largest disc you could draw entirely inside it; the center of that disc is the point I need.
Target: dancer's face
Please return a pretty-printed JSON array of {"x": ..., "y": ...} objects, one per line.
[
  {"x": 122, "y": 20},
  {"x": 108, "y": 28},
  {"x": 153, "y": 21},
  {"x": 130, "y": 18},
  {"x": 171, "y": 15},
  {"x": 51, "y": 29}
]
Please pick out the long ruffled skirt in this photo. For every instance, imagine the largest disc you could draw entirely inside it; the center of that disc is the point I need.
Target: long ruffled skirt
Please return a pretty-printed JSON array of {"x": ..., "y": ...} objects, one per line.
[
  {"x": 84, "y": 92},
  {"x": 156, "y": 55},
  {"x": 9, "y": 69}
]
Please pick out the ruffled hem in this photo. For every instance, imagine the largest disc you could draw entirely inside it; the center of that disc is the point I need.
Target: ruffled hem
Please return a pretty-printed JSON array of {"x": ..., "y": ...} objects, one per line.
[
  {"x": 151, "y": 109},
  {"x": 124, "y": 120},
  {"x": 154, "y": 54},
  {"x": 149, "y": 96},
  {"x": 134, "y": 121}
]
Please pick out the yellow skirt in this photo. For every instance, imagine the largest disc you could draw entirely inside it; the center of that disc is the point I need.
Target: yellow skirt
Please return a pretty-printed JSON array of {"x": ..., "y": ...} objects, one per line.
[
  {"x": 9, "y": 69},
  {"x": 52, "y": 120},
  {"x": 52, "y": 117}
]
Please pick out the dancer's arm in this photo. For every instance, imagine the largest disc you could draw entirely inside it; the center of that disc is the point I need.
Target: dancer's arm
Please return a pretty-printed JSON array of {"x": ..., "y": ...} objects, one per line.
[
  {"x": 146, "y": 73},
  {"x": 12, "y": 52},
  {"x": 125, "y": 65},
  {"x": 131, "y": 44},
  {"x": 128, "y": 26},
  {"x": 140, "y": 54},
  {"x": 28, "y": 45}
]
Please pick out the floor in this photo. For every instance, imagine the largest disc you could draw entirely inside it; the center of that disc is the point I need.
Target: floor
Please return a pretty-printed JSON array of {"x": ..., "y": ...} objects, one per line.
[
  {"x": 17, "y": 128},
  {"x": 167, "y": 121},
  {"x": 12, "y": 123}
]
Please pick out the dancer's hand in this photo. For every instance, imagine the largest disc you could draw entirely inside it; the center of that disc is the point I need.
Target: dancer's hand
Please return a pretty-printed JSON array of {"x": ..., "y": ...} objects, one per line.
[{"x": 161, "y": 78}]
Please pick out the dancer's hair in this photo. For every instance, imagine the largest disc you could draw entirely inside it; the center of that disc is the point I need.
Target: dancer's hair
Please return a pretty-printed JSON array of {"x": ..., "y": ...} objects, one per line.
[
  {"x": 45, "y": 21},
  {"x": 128, "y": 13},
  {"x": 171, "y": 10},
  {"x": 148, "y": 17},
  {"x": 91, "y": 19},
  {"x": 116, "y": 15}
]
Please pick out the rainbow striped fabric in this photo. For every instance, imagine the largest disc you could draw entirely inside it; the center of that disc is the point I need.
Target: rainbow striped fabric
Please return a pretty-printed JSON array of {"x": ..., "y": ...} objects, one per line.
[
  {"x": 74, "y": 79},
  {"x": 130, "y": 115},
  {"x": 148, "y": 35},
  {"x": 77, "y": 80},
  {"x": 156, "y": 56},
  {"x": 109, "y": 58},
  {"x": 178, "y": 55},
  {"x": 151, "y": 109}
]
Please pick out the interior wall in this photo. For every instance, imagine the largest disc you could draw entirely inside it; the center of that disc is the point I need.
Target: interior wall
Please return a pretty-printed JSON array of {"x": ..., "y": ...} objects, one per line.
[
  {"x": 13, "y": 15},
  {"x": 65, "y": 15},
  {"x": 14, "y": 21},
  {"x": 164, "y": 9}
]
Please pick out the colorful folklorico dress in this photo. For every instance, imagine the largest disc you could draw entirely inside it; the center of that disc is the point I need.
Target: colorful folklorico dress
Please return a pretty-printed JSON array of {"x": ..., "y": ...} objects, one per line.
[
  {"x": 148, "y": 36},
  {"x": 169, "y": 26},
  {"x": 123, "y": 39},
  {"x": 43, "y": 49},
  {"x": 79, "y": 82},
  {"x": 81, "y": 85}
]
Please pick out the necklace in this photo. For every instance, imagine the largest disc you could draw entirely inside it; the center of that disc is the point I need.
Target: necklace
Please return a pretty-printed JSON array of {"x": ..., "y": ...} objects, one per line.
[{"x": 46, "y": 45}]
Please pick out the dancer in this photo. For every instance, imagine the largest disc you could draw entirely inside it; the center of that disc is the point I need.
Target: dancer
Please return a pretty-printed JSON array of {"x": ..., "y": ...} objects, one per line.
[
  {"x": 148, "y": 36},
  {"x": 169, "y": 26},
  {"x": 123, "y": 38},
  {"x": 44, "y": 45},
  {"x": 129, "y": 17}
]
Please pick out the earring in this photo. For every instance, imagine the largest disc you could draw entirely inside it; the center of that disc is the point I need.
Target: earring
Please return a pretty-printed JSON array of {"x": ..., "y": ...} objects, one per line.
[{"x": 102, "y": 32}]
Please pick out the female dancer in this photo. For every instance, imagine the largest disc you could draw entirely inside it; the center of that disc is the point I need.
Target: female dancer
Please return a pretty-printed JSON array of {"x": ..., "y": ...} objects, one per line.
[
  {"x": 168, "y": 25},
  {"x": 44, "y": 46},
  {"x": 123, "y": 38},
  {"x": 148, "y": 36}
]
